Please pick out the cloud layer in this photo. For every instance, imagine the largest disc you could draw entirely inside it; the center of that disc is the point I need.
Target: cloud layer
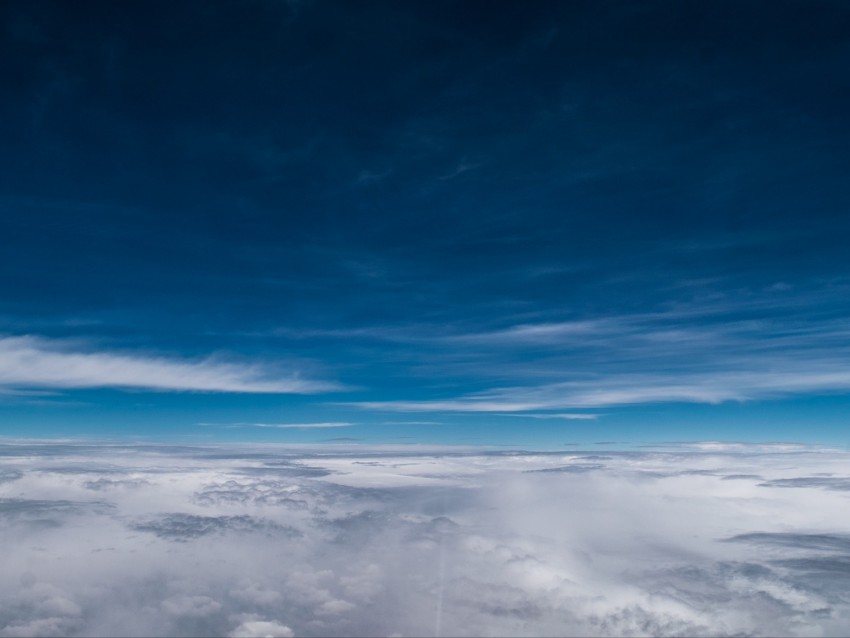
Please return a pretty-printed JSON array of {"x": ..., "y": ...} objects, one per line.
[{"x": 183, "y": 541}]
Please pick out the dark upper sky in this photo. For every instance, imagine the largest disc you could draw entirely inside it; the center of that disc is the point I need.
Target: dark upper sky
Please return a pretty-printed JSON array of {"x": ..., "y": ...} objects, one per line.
[{"x": 434, "y": 207}]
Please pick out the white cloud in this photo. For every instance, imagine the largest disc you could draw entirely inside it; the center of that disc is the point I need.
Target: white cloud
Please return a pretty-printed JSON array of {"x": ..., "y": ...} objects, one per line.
[
  {"x": 301, "y": 426},
  {"x": 285, "y": 426},
  {"x": 261, "y": 629},
  {"x": 334, "y": 607},
  {"x": 34, "y": 362},
  {"x": 567, "y": 416},
  {"x": 634, "y": 389},
  {"x": 733, "y": 349},
  {"x": 191, "y": 606},
  {"x": 524, "y": 334},
  {"x": 708, "y": 538},
  {"x": 254, "y": 593}
]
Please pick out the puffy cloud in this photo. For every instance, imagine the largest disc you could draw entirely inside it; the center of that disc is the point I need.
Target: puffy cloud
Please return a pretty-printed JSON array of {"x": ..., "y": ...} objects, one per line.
[
  {"x": 261, "y": 629},
  {"x": 51, "y": 611},
  {"x": 334, "y": 607},
  {"x": 197, "y": 606},
  {"x": 254, "y": 593},
  {"x": 688, "y": 540}
]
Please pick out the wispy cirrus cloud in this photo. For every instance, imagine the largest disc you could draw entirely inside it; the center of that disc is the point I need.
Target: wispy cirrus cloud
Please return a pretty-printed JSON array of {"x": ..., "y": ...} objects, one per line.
[
  {"x": 635, "y": 390},
  {"x": 35, "y": 362},
  {"x": 566, "y": 416},
  {"x": 284, "y": 426},
  {"x": 765, "y": 347}
]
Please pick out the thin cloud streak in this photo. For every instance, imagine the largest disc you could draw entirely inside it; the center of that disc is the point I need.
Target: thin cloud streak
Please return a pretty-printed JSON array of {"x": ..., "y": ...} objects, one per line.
[
  {"x": 772, "y": 311},
  {"x": 34, "y": 362},
  {"x": 302, "y": 426},
  {"x": 294, "y": 426},
  {"x": 633, "y": 390},
  {"x": 569, "y": 416}
]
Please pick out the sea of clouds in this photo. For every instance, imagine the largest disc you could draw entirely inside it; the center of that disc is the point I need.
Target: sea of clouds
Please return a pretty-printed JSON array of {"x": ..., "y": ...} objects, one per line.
[{"x": 146, "y": 540}]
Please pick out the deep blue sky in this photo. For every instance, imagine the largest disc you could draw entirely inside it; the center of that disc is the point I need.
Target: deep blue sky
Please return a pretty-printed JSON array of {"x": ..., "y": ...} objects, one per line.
[{"x": 508, "y": 223}]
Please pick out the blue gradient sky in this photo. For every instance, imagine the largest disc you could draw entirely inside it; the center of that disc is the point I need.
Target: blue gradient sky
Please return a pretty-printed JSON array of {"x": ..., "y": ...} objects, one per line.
[{"x": 524, "y": 224}]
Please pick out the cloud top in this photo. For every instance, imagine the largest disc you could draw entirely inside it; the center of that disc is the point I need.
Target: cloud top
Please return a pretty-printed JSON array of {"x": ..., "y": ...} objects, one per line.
[{"x": 269, "y": 541}]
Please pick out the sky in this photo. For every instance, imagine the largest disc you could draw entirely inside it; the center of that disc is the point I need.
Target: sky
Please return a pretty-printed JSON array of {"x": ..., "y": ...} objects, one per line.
[{"x": 446, "y": 223}]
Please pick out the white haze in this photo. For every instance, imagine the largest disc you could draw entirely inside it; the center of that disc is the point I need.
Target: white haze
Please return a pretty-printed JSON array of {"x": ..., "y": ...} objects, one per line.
[{"x": 106, "y": 540}]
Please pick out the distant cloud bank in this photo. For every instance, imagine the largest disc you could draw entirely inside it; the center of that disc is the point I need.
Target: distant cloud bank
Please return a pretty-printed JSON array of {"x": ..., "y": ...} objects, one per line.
[{"x": 694, "y": 539}]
